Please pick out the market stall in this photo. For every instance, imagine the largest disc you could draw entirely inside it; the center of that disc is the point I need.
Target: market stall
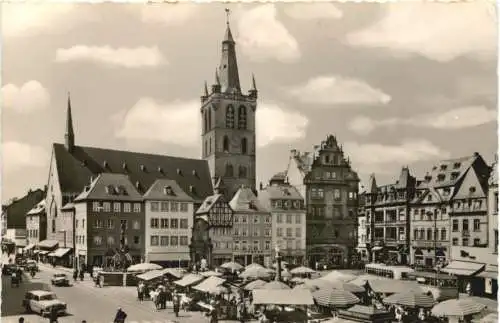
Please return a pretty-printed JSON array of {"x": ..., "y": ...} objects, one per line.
[{"x": 281, "y": 305}]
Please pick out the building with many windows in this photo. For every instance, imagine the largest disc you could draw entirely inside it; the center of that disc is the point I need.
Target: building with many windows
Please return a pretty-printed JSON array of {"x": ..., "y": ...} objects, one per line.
[
  {"x": 387, "y": 208},
  {"x": 212, "y": 238},
  {"x": 109, "y": 217},
  {"x": 288, "y": 218},
  {"x": 252, "y": 238},
  {"x": 331, "y": 196},
  {"x": 36, "y": 225},
  {"x": 169, "y": 222}
]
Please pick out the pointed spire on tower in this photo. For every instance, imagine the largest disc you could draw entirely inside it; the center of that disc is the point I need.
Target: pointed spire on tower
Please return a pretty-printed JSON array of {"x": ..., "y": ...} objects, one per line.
[
  {"x": 253, "y": 89},
  {"x": 205, "y": 90},
  {"x": 216, "y": 85},
  {"x": 69, "y": 136},
  {"x": 228, "y": 68},
  {"x": 217, "y": 78}
]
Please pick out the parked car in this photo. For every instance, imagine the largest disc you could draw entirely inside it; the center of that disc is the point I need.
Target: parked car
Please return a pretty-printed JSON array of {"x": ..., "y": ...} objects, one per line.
[
  {"x": 42, "y": 302},
  {"x": 31, "y": 264},
  {"x": 8, "y": 269},
  {"x": 60, "y": 280}
]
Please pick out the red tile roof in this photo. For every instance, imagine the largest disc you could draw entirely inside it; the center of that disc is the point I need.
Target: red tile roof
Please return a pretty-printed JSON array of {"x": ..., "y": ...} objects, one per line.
[{"x": 76, "y": 169}]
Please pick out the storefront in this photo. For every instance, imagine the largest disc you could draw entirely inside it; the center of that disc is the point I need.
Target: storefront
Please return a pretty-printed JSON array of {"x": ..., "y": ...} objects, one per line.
[
  {"x": 62, "y": 257},
  {"x": 331, "y": 256}
]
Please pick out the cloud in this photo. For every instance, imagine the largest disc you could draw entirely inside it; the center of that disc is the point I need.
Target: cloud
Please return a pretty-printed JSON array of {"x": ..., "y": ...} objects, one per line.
[
  {"x": 466, "y": 117},
  {"x": 168, "y": 14},
  {"x": 178, "y": 122},
  {"x": 435, "y": 30},
  {"x": 28, "y": 19},
  {"x": 30, "y": 96},
  {"x": 262, "y": 37},
  {"x": 375, "y": 157},
  {"x": 18, "y": 155},
  {"x": 338, "y": 90},
  {"x": 119, "y": 57},
  {"x": 313, "y": 11}
]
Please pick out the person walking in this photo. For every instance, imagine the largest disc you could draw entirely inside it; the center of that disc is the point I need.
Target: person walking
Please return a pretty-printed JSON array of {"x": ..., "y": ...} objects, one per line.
[
  {"x": 120, "y": 316},
  {"x": 177, "y": 304},
  {"x": 53, "y": 315},
  {"x": 75, "y": 275},
  {"x": 81, "y": 275}
]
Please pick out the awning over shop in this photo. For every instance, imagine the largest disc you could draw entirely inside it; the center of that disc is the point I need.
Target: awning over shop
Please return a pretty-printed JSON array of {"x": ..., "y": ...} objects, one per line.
[
  {"x": 61, "y": 252},
  {"x": 491, "y": 272},
  {"x": 43, "y": 252},
  {"x": 29, "y": 247},
  {"x": 462, "y": 268},
  {"x": 168, "y": 256},
  {"x": 377, "y": 248},
  {"x": 283, "y": 297},
  {"x": 210, "y": 284},
  {"x": 189, "y": 280},
  {"x": 48, "y": 243}
]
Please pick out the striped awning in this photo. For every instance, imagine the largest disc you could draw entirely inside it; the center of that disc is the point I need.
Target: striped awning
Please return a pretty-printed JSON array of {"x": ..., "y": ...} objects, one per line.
[
  {"x": 411, "y": 299},
  {"x": 335, "y": 297}
]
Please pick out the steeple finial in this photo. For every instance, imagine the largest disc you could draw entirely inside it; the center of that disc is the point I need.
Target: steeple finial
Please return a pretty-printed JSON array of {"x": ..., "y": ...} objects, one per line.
[
  {"x": 69, "y": 136},
  {"x": 253, "y": 89},
  {"x": 205, "y": 90},
  {"x": 217, "y": 79},
  {"x": 228, "y": 12},
  {"x": 228, "y": 67}
]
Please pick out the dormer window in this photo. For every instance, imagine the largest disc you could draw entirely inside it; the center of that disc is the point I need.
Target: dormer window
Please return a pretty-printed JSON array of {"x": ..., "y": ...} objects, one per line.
[
  {"x": 124, "y": 166},
  {"x": 434, "y": 168},
  {"x": 137, "y": 185},
  {"x": 443, "y": 167},
  {"x": 179, "y": 172},
  {"x": 472, "y": 189},
  {"x": 167, "y": 190},
  {"x": 105, "y": 164},
  {"x": 194, "y": 172},
  {"x": 456, "y": 165},
  {"x": 441, "y": 177},
  {"x": 454, "y": 175},
  {"x": 160, "y": 170},
  {"x": 192, "y": 189},
  {"x": 109, "y": 189},
  {"x": 143, "y": 168},
  {"x": 84, "y": 163}
]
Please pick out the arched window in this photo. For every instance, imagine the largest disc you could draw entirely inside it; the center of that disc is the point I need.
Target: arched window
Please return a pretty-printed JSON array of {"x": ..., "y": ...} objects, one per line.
[
  {"x": 209, "y": 119},
  {"x": 210, "y": 145},
  {"x": 242, "y": 172},
  {"x": 429, "y": 234},
  {"x": 242, "y": 117},
  {"x": 229, "y": 170},
  {"x": 205, "y": 120},
  {"x": 230, "y": 116},
  {"x": 244, "y": 146},
  {"x": 225, "y": 144}
]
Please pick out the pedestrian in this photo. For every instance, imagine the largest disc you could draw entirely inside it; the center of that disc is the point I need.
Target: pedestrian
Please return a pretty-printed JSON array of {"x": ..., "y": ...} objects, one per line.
[
  {"x": 120, "y": 316},
  {"x": 81, "y": 275},
  {"x": 177, "y": 304},
  {"x": 240, "y": 314},
  {"x": 75, "y": 275},
  {"x": 140, "y": 291},
  {"x": 21, "y": 319},
  {"x": 53, "y": 315}
]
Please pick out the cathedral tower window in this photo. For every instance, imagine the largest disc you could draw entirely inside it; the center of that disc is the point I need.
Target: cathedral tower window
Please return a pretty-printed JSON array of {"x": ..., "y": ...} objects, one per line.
[
  {"x": 244, "y": 146},
  {"x": 230, "y": 116},
  {"x": 225, "y": 144},
  {"x": 205, "y": 117},
  {"x": 209, "y": 119},
  {"x": 242, "y": 172},
  {"x": 210, "y": 145},
  {"x": 229, "y": 170},
  {"x": 242, "y": 117}
]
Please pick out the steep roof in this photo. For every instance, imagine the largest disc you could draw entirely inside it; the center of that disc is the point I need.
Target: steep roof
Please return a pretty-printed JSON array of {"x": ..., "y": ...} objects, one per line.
[
  {"x": 75, "y": 169},
  {"x": 245, "y": 201},
  {"x": 282, "y": 192},
  {"x": 38, "y": 208},
  {"x": 448, "y": 172},
  {"x": 109, "y": 186},
  {"x": 208, "y": 203},
  {"x": 16, "y": 211},
  {"x": 166, "y": 189}
]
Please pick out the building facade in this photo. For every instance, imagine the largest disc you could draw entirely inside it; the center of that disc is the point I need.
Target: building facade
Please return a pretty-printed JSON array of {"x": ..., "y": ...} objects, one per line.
[
  {"x": 73, "y": 167},
  {"x": 252, "y": 237},
  {"x": 387, "y": 209},
  {"x": 212, "y": 238},
  {"x": 363, "y": 225},
  {"x": 331, "y": 195},
  {"x": 228, "y": 124},
  {"x": 169, "y": 223},
  {"x": 493, "y": 208},
  {"x": 288, "y": 219},
  {"x": 109, "y": 218},
  {"x": 36, "y": 224}
]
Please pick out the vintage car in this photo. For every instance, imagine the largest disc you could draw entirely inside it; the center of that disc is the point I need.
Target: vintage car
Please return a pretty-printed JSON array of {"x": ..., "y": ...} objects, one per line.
[
  {"x": 8, "y": 269},
  {"x": 60, "y": 280},
  {"x": 31, "y": 264},
  {"x": 42, "y": 302}
]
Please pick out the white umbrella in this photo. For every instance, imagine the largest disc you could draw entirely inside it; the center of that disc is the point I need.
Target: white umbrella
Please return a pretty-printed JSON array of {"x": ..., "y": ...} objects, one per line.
[
  {"x": 302, "y": 270},
  {"x": 232, "y": 265},
  {"x": 457, "y": 307},
  {"x": 145, "y": 266}
]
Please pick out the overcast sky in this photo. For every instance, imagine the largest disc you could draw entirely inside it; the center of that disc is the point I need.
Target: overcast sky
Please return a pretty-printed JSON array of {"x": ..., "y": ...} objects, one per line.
[{"x": 398, "y": 84}]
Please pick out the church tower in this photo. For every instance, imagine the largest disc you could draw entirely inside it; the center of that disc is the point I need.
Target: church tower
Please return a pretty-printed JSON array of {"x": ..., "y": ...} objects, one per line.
[
  {"x": 228, "y": 124},
  {"x": 69, "y": 135}
]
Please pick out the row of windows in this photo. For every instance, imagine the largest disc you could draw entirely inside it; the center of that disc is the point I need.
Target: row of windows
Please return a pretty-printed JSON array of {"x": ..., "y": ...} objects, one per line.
[
  {"x": 244, "y": 232},
  {"x": 469, "y": 205},
  {"x": 289, "y": 232},
  {"x": 162, "y": 223},
  {"x": 251, "y": 219},
  {"x": 172, "y": 241},
  {"x": 420, "y": 234},
  {"x": 319, "y": 193},
  {"x": 334, "y": 212},
  {"x": 110, "y": 224},
  {"x": 222, "y": 231},
  {"x": 226, "y": 146},
  {"x": 466, "y": 242},
  {"x": 117, "y": 207},
  {"x": 33, "y": 233},
  {"x": 287, "y": 204},
  {"x": 113, "y": 241},
  {"x": 289, "y": 218},
  {"x": 242, "y": 171},
  {"x": 242, "y": 117},
  {"x": 80, "y": 239},
  {"x": 243, "y": 245},
  {"x": 168, "y": 206},
  {"x": 465, "y": 225}
]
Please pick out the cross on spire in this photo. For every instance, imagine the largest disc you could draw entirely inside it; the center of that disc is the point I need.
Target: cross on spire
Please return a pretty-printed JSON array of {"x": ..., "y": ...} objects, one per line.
[{"x": 228, "y": 13}]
